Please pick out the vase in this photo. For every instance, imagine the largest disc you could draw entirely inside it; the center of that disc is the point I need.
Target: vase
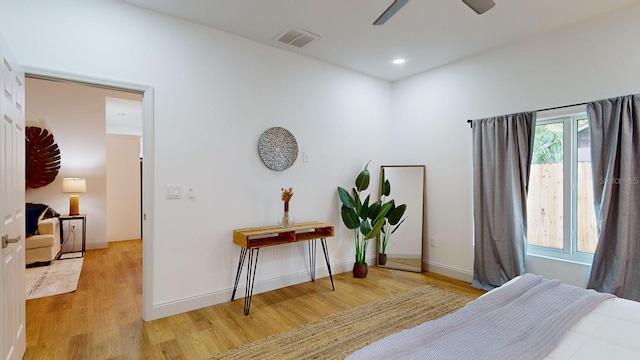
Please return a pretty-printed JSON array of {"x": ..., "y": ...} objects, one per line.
[
  {"x": 287, "y": 220},
  {"x": 360, "y": 270},
  {"x": 382, "y": 259}
]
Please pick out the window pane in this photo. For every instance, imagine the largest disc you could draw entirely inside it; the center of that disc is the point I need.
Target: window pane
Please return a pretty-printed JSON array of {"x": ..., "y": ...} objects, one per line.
[
  {"x": 544, "y": 202},
  {"x": 587, "y": 239}
]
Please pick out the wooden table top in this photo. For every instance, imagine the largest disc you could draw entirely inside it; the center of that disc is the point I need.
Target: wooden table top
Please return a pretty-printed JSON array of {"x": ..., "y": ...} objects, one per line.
[{"x": 274, "y": 235}]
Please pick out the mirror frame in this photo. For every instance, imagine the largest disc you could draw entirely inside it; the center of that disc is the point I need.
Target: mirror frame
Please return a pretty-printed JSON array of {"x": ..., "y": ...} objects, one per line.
[{"x": 424, "y": 189}]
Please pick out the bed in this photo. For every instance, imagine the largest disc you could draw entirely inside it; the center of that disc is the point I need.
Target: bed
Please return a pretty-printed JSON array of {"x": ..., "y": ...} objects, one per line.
[{"x": 528, "y": 318}]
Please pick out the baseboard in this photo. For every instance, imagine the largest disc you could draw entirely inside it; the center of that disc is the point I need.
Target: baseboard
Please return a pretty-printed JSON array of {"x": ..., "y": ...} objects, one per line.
[
  {"x": 96, "y": 245},
  {"x": 89, "y": 245},
  {"x": 449, "y": 271},
  {"x": 217, "y": 297}
]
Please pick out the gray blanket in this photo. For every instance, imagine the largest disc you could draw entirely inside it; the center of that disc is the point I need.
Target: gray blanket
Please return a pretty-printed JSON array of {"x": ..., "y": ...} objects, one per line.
[{"x": 524, "y": 320}]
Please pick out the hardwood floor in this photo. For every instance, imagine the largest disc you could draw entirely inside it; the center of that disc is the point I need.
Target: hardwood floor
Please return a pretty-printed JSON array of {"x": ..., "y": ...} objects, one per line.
[{"x": 102, "y": 318}]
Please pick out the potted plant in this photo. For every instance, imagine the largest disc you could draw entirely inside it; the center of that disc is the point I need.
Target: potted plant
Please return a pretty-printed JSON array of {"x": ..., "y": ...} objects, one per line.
[
  {"x": 392, "y": 220},
  {"x": 366, "y": 220}
]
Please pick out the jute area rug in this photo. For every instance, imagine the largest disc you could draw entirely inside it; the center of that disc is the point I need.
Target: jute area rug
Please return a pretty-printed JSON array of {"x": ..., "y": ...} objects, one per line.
[
  {"x": 339, "y": 335},
  {"x": 58, "y": 278}
]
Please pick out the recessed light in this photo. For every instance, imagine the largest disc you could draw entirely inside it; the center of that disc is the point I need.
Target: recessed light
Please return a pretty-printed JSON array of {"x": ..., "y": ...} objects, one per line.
[{"x": 399, "y": 61}]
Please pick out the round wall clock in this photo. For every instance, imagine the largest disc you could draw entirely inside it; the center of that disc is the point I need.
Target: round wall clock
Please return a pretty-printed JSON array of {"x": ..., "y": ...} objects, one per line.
[{"x": 277, "y": 148}]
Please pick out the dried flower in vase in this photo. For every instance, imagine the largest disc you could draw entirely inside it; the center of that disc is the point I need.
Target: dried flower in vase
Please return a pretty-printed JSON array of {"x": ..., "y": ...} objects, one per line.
[
  {"x": 286, "y": 197},
  {"x": 287, "y": 220}
]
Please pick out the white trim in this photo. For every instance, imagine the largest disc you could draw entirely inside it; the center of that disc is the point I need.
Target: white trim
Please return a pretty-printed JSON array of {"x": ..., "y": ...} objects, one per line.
[
  {"x": 92, "y": 245},
  {"x": 449, "y": 271},
  {"x": 84, "y": 79},
  {"x": 579, "y": 258},
  {"x": 148, "y": 309},
  {"x": 148, "y": 186}
]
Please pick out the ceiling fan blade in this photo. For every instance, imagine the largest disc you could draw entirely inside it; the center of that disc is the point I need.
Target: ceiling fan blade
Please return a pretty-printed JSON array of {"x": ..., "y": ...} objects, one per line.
[
  {"x": 391, "y": 10},
  {"x": 480, "y": 6}
]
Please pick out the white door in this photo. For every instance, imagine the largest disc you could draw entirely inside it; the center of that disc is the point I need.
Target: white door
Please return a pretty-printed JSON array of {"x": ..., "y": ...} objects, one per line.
[{"x": 12, "y": 221}]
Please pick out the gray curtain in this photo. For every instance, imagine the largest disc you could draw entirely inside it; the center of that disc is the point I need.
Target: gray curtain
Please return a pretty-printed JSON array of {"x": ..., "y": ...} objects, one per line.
[
  {"x": 615, "y": 154},
  {"x": 502, "y": 148}
]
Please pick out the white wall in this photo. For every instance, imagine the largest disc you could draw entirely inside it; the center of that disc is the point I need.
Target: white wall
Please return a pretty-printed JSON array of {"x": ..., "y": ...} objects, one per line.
[
  {"x": 587, "y": 61},
  {"x": 74, "y": 114},
  {"x": 214, "y": 95},
  {"x": 123, "y": 187}
]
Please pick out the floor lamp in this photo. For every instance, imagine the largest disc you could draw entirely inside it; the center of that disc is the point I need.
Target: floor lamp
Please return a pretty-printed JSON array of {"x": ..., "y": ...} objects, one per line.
[{"x": 74, "y": 186}]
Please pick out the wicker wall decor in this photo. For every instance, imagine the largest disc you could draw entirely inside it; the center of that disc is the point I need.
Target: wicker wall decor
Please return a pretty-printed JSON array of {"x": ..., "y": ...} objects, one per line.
[
  {"x": 42, "y": 158},
  {"x": 278, "y": 148}
]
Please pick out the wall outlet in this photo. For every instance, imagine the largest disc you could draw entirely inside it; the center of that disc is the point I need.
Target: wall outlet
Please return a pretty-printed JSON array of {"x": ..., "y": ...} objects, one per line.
[{"x": 433, "y": 241}]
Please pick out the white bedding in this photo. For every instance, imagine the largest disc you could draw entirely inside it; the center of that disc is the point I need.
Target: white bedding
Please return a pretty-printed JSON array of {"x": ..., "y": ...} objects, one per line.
[{"x": 610, "y": 331}]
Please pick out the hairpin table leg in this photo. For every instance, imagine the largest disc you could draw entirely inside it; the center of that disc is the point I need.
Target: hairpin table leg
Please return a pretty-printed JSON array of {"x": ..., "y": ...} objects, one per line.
[
  {"x": 323, "y": 241},
  {"x": 312, "y": 259},
  {"x": 243, "y": 254},
  {"x": 251, "y": 276}
]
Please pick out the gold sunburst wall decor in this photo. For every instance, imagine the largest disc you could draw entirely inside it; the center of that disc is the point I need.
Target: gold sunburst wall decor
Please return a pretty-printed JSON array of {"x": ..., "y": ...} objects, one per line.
[{"x": 278, "y": 148}]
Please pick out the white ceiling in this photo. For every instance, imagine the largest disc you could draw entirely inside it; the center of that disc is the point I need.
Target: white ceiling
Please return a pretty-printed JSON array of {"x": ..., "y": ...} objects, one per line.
[{"x": 427, "y": 33}]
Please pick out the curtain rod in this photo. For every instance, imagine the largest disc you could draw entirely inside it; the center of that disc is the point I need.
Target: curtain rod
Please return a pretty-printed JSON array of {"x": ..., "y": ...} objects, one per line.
[{"x": 547, "y": 109}]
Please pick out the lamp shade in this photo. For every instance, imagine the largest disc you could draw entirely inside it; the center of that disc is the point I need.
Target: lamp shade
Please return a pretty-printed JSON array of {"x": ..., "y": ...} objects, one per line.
[{"x": 74, "y": 185}]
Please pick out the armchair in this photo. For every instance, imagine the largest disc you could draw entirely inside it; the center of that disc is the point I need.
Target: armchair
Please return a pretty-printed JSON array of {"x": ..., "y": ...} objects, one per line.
[{"x": 45, "y": 246}]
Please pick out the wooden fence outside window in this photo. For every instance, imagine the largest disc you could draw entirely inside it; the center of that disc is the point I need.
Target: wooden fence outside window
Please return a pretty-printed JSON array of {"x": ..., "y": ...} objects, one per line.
[{"x": 544, "y": 209}]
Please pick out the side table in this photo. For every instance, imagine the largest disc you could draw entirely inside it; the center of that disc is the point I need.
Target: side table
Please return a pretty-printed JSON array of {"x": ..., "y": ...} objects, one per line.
[{"x": 83, "y": 218}]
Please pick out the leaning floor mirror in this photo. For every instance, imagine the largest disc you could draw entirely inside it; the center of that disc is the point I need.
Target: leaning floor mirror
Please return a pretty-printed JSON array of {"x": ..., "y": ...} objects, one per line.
[{"x": 399, "y": 245}]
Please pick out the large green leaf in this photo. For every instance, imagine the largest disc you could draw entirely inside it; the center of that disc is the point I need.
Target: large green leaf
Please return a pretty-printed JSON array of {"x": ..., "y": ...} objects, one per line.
[
  {"x": 383, "y": 212},
  {"x": 396, "y": 214},
  {"x": 374, "y": 209},
  {"x": 378, "y": 222},
  {"x": 365, "y": 228},
  {"x": 350, "y": 218},
  {"x": 375, "y": 230},
  {"x": 386, "y": 188},
  {"x": 346, "y": 199},
  {"x": 364, "y": 210},
  {"x": 397, "y": 226},
  {"x": 393, "y": 206},
  {"x": 362, "y": 181}
]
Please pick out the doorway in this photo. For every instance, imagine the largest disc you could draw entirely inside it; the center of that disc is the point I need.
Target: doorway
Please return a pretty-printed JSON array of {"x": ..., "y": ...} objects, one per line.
[{"x": 146, "y": 198}]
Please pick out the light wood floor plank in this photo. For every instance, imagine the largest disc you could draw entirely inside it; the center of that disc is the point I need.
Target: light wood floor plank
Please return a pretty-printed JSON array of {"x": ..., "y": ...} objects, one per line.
[{"x": 102, "y": 319}]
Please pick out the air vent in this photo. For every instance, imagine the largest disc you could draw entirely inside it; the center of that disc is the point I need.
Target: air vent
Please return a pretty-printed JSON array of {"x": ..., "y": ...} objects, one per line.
[{"x": 296, "y": 37}]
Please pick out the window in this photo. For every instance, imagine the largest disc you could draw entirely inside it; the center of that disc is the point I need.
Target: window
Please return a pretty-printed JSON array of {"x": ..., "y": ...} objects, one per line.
[{"x": 560, "y": 213}]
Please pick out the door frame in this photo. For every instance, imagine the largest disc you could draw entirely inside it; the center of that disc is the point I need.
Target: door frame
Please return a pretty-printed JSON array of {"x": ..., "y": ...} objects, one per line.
[{"x": 147, "y": 165}]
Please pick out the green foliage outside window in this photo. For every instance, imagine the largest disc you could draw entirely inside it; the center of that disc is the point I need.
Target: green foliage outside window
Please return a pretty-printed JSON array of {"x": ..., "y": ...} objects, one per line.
[{"x": 548, "y": 144}]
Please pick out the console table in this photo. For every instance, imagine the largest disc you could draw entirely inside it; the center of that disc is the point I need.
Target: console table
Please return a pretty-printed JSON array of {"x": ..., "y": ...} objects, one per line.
[{"x": 252, "y": 239}]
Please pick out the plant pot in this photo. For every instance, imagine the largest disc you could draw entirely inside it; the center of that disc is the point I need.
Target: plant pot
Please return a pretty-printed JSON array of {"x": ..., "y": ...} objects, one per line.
[
  {"x": 360, "y": 270},
  {"x": 382, "y": 259}
]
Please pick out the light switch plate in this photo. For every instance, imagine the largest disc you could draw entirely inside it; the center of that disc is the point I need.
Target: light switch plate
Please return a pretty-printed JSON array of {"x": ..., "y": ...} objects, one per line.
[{"x": 174, "y": 191}]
